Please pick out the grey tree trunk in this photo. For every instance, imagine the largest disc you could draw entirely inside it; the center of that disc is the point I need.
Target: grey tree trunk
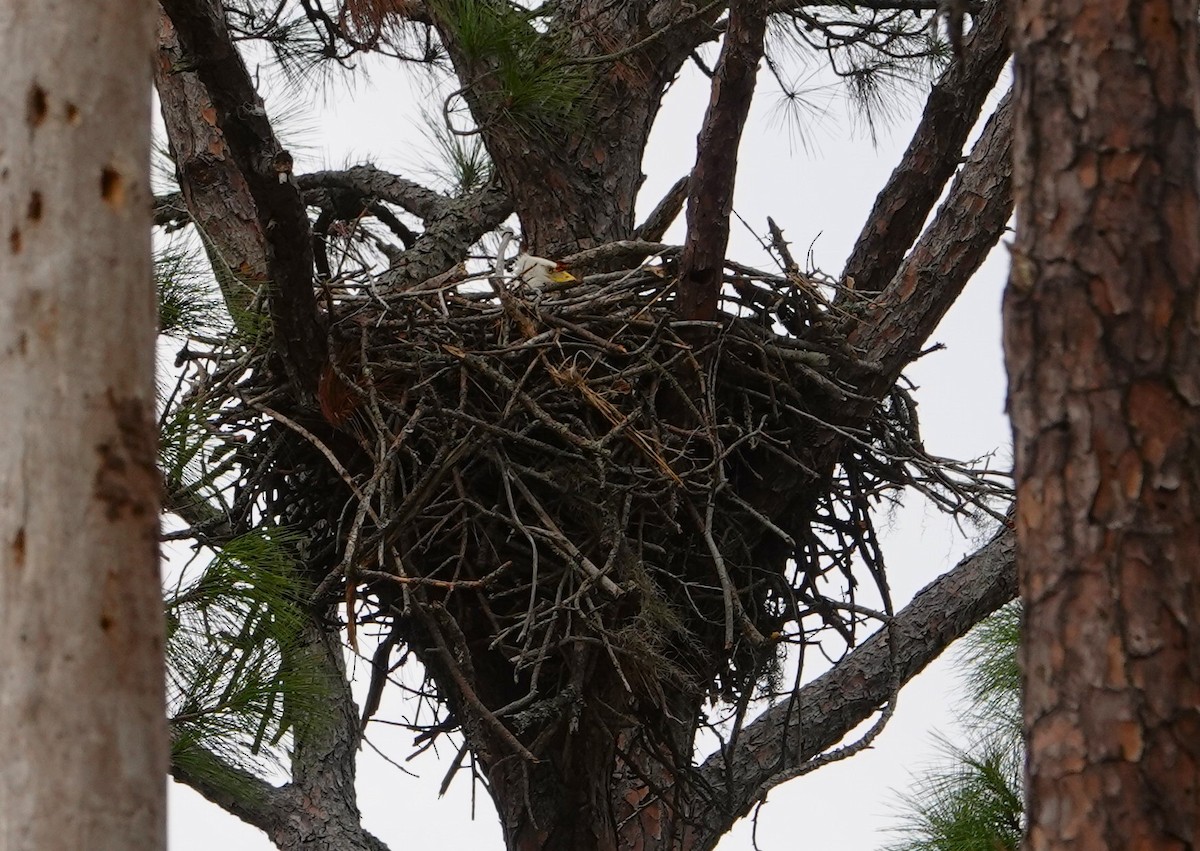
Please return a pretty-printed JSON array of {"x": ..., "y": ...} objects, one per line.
[{"x": 82, "y": 724}]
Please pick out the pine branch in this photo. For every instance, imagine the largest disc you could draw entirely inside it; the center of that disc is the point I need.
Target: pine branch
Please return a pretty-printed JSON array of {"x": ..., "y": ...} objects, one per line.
[
  {"x": 170, "y": 212},
  {"x": 324, "y": 759},
  {"x": 235, "y": 790},
  {"x": 371, "y": 182},
  {"x": 213, "y": 193},
  {"x": 967, "y": 226},
  {"x": 710, "y": 198},
  {"x": 266, "y": 167},
  {"x": 664, "y": 213},
  {"x": 784, "y": 737},
  {"x": 933, "y": 154},
  {"x": 447, "y": 237}
]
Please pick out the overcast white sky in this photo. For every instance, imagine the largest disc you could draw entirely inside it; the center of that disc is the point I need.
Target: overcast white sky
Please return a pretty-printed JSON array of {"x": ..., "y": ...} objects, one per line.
[{"x": 819, "y": 194}]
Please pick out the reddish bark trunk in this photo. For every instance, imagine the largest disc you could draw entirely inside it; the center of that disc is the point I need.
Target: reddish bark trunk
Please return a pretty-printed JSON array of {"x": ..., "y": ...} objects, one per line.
[
  {"x": 266, "y": 169},
  {"x": 575, "y": 186},
  {"x": 214, "y": 190},
  {"x": 1103, "y": 351}
]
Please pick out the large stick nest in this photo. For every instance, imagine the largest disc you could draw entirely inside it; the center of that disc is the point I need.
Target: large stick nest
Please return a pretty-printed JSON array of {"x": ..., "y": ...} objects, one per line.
[{"x": 528, "y": 485}]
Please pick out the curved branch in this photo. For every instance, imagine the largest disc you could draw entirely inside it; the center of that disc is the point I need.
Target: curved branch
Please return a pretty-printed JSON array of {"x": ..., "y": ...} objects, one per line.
[
  {"x": 171, "y": 212},
  {"x": 789, "y": 734},
  {"x": 235, "y": 790},
  {"x": 372, "y": 182},
  {"x": 266, "y": 167},
  {"x": 447, "y": 237},
  {"x": 933, "y": 154}
]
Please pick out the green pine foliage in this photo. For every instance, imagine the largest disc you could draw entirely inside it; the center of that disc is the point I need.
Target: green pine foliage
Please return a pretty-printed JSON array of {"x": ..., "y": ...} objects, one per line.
[
  {"x": 458, "y": 164},
  {"x": 974, "y": 801},
  {"x": 234, "y": 684},
  {"x": 993, "y": 672},
  {"x": 238, "y": 679},
  {"x": 187, "y": 301},
  {"x": 531, "y": 82}
]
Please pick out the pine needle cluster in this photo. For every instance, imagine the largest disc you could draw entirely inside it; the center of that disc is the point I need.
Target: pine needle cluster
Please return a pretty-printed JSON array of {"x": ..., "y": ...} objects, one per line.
[{"x": 974, "y": 800}]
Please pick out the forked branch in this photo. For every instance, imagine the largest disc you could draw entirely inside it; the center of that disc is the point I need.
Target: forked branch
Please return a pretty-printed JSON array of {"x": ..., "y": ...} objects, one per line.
[
  {"x": 267, "y": 168},
  {"x": 933, "y": 154},
  {"x": 896, "y": 324}
]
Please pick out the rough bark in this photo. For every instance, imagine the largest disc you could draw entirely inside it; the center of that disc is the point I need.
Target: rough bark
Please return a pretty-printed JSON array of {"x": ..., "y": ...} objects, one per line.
[
  {"x": 81, "y": 622},
  {"x": 932, "y": 156},
  {"x": 710, "y": 192},
  {"x": 267, "y": 170},
  {"x": 665, "y": 212},
  {"x": 574, "y": 183},
  {"x": 318, "y": 809},
  {"x": 214, "y": 191},
  {"x": 779, "y": 744},
  {"x": 1103, "y": 352},
  {"x": 448, "y": 236},
  {"x": 574, "y": 189},
  {"x": 324, "y": 763},
  {"x": 890, "y": 329}
]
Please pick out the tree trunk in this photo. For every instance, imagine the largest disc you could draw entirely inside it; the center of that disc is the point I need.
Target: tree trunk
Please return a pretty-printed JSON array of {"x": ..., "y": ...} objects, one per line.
[
  {"x": 1103, "y": 350},
  {"x": 574, "y": 179},
  {"x": 213, "y": 187},
  {"x": 82, "y": 721}
]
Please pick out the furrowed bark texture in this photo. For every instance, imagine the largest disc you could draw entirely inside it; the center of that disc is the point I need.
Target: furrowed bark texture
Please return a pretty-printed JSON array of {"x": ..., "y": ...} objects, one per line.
[
  {"x": 1103, "y": 349},
  {"x": 966, "y": 228},
  {"x": 320, "y": 804},
  {"x": 214, "y": 191},
  {"x": 574, "y": 180},
  {"x": 318, "y": 809},
  {"x": 267, "y": 170},
  {"x": 596, "y": 783},
  {"x": 932, "y": 156},
  {"x": 710, "y": 194},
  {"x": 81, "y": 622}
]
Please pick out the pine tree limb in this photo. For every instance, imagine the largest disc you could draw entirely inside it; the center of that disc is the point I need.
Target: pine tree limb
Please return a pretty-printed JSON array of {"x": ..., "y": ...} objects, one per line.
[
  {"x": 213, "y": 192},
  {"x": 235, "y": 790},
  {"x": 710, "y": 190},
  {"x": 372, "y": 182},
  {"x": 967, "y": 226},
  {"x": 665, "y": 212},
  {"x": 448, "y": 236},
  {"x": 784, "y": 737},
  {"x": 266, "y": 167},
  {"x": 932, "y": 156}
]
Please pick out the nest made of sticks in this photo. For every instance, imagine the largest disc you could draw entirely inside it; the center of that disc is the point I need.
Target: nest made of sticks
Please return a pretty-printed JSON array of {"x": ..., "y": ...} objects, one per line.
[{"x": 512, "y": 480}]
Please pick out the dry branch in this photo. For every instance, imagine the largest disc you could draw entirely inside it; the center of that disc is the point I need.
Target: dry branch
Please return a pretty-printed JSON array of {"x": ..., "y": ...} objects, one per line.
[
  {"x": 623, "y": 468},
  {"x": 665, "y": 212}
]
